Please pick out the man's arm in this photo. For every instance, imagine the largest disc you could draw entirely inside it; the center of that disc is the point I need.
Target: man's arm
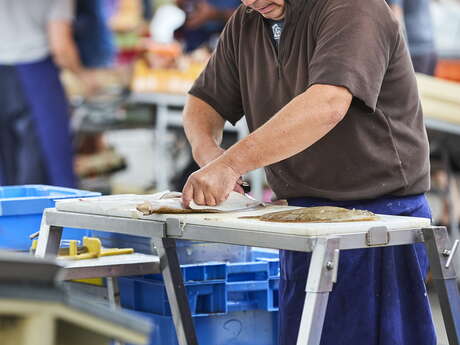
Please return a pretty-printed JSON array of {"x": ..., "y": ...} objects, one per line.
[
  {"x": 63, "y": 47},
  {"x": 203, "y": 128},
  {"x": 65, "y": 53},
  {"x": 297, "y": 126}
]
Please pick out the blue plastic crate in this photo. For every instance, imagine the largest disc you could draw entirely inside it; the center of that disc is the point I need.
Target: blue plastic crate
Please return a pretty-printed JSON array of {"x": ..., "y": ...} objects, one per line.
[
  {"x": 204, "y": 298},
  {"x": 21, "y": 209},
  {"x": 210, "y": 271},
  {"x": 264, "y": 253},
  {"x": 150, "y": 296},
  {"x": 253, "y": 327},
  {"x": 253, "y": 295},
  {"x": 247, "y": 271},
  {"x": 216, "y": 271}
]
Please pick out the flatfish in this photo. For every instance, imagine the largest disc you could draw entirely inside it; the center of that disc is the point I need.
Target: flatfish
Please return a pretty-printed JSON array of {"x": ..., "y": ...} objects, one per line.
[{"x": 319, "y": 214}]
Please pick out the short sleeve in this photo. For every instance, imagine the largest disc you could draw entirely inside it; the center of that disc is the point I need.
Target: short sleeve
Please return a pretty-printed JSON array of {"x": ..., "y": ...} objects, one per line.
[
  {"x": 353, "y": 48},
  {"x": 62, "y": 10},
  {"x": 219, "y": 84}
]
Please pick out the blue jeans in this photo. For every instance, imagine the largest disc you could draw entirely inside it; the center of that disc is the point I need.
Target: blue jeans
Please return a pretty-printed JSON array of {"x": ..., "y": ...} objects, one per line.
[{"x": 380, "y": 296}]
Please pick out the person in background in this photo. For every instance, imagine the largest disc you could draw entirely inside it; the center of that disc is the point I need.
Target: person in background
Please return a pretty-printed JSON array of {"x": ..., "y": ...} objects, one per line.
[
  {"x": 205, "y": 20},
  {"x": 36, "y": 39},
  {"x": 415, "y": 17},
  {"x": 94, "y": 39}
]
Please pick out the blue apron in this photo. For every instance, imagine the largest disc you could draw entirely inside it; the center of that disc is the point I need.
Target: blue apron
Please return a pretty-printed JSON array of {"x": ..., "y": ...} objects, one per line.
[
  {"x": 380, "y": 296},
  {"x": 49, "y": 110}
]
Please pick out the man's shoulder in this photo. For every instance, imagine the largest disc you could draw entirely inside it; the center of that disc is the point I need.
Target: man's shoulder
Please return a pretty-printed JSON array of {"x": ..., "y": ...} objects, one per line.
[
  {"x": 376, "y": 11},
  {"x": 370, "y": 7}
]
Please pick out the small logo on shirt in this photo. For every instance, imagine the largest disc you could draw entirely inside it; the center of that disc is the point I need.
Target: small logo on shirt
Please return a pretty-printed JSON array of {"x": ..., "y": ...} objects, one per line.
[{"x": 276, "y": 28}]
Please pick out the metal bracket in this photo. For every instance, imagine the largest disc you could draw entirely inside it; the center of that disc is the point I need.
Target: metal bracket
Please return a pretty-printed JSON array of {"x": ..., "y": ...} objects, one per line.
[
  {"x": 377, "y": 236},
  {"x": 324, "y": 265},
  {"x": 174, "y": 227},
  {"x": 334, "y": 265}
]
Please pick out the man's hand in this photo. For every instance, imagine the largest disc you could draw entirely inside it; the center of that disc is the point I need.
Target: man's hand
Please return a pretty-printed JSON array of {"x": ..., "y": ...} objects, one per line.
[
  {"x": 210, "y": 185},
  {"x": 207, "y": 155},
  {"x": 90, "y": 82}
]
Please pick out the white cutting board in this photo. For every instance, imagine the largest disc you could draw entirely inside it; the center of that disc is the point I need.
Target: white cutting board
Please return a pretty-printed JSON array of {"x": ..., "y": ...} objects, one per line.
[{"x": 125, "y": 206}]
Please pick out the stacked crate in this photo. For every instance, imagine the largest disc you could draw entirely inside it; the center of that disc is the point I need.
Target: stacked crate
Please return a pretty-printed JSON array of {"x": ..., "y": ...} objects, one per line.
[{"x": 231, "y": 303}]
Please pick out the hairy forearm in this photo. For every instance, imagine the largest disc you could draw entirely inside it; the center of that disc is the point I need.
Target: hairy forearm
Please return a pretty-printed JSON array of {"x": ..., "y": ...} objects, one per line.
[
  {"x": 297, "y": 126},
  {"x": 203, "y": 127}
]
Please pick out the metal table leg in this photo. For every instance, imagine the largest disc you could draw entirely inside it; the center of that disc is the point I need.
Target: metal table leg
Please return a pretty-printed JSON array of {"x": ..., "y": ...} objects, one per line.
[
  {"x": 49, "y": 239},
  {"x": 444, "y": 278},
  {"x": 177, "y": 295},
  {"x": 161, "y": 176},
  {"x": 113, "y": 292},
  {"x": 321, "y": 275}
]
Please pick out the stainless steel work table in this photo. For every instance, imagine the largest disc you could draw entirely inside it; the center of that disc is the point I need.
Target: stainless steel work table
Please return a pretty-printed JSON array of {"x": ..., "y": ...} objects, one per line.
[{"x": 324, "y": 240}]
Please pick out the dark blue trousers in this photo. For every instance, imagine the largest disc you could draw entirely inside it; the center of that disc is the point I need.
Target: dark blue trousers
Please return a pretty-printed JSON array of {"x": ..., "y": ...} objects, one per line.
[
  {"x": 35, "y": 141},
  {"x": 380, "y": 296},
  {"x": 21, "y": 159},
  {"x": 50, "y": 112}
]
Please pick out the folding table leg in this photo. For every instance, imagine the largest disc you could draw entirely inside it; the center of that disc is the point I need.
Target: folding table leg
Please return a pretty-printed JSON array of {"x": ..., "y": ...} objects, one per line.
[
  {"x": 49, "y": 239},
  {"x": 441, "y": 254},
  {"x": 322, "y": 274},
  {"x": 113, "y": 294},
  {"x": 177, "y": 295}
]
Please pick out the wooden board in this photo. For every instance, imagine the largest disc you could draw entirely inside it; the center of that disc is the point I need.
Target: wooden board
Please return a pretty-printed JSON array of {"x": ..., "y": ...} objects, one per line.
[{"x": 440, "y": 98}]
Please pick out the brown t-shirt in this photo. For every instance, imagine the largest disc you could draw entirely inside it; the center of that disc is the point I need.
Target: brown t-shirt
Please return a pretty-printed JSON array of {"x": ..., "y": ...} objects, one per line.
[{"x": 379, "y": 148}]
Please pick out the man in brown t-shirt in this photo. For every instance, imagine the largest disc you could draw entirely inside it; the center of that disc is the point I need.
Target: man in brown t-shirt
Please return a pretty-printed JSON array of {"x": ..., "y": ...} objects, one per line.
[{"x": 330, "y": 98}]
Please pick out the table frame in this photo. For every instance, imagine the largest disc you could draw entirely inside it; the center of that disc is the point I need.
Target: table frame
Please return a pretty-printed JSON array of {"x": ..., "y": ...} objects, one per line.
[{"x": 322, "y": 272}]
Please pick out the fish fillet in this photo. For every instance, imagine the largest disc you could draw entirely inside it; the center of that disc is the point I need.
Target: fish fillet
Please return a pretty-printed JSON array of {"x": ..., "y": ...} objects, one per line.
[{"x": 317, "y": 214}]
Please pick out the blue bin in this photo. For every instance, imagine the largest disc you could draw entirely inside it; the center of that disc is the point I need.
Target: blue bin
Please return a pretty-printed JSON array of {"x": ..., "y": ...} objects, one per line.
[
  {"x": 229, "y": 272},
  {"x": 150, "y": 296},
  {"x": 251, "y": 327},
  {"x": 211, "y": 288},
  {"x": 21, "y": 209},
  {"x": 253, "y": 295}
]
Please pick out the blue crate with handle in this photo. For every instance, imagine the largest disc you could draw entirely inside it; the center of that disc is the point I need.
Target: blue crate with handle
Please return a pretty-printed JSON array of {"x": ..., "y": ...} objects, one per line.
[
  {"x": 21, "y": 209},
  {"x": 230, "y": 272},
  {"x": 253, "y": 295},
  {"x": 212, "y": 288},
  {"x": 150, "y": 296},
  {"x": 252, "y": 327}
]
